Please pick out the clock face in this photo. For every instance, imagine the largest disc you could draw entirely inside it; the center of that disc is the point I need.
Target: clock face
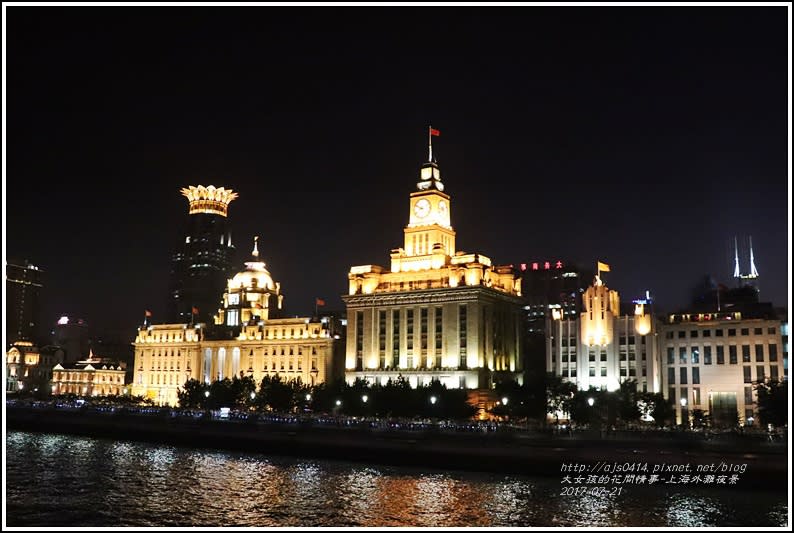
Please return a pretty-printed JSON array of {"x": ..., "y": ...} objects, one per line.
[
  {"x": 422, "y": 208},
  {"x": 442, "y": 207}
]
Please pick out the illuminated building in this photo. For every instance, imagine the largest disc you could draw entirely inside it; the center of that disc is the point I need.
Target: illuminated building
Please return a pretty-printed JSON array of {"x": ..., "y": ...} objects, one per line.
[
  {"x": 602, "y": 346},
  {"x": 93, "y": 376},
  {"x": 23, "y": 287},
  {"x": 246, "y": 339},
  {"x": 28, "y": 366},
  {"x": 206, "y": 258},
  {"x": 713, "y": 358},
  {"x": 438, "y": 313}
]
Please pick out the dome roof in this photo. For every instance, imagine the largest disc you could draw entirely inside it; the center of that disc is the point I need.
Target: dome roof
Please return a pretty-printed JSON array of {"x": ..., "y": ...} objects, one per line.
[{"x": 254, "y": 275}]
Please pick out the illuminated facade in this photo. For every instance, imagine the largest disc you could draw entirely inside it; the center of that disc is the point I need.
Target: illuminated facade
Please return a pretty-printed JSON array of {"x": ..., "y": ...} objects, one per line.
[
  {"x": 205, "y": 260},
  {"x": 713, "y": 359},
  {"x": 245, "y": 340},
  {"x": 603, "y": 347},
  {"x": 439, "y": 313},
  {"x": 28, "y": 367},
  {"x": 94, "y": 376}
]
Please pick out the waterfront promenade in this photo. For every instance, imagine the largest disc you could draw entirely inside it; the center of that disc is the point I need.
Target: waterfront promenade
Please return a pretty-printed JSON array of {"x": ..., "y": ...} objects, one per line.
[{"x": 460, "y": 447}]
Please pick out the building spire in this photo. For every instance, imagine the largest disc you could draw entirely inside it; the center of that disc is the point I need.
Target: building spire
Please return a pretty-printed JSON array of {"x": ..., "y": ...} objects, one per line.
[
  {"x": 430, "y": 133},
  {"x": 255, "y": 253},
  {"x": 736, "y": 273},
  {"x": 753, "y": 271}
]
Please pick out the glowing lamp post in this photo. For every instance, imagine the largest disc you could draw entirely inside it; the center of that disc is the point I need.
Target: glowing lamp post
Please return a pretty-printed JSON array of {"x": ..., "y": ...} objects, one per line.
[
  {"x": 684, "y": 413},
  {"x": 590, "y": 402}
]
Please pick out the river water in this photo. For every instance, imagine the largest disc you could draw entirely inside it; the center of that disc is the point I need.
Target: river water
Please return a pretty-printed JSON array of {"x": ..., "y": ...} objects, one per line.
[{"x": 62, "y": 480}]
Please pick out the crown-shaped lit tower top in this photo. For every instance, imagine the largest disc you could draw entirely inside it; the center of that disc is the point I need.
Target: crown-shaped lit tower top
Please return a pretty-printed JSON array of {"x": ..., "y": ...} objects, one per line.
[{"x": 209, "y": 199}]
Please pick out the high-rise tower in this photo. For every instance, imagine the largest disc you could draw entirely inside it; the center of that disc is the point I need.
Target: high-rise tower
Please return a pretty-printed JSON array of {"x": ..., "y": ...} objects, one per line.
[
  {"x": 23, "y": 285},
  {"x": 205, "y": 261}
]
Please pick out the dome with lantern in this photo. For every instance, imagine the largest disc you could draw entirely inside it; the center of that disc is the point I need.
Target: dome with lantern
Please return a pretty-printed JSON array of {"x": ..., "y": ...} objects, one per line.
[
  {"x": 251, "y": 295},
  {"x": 255, "y": 275}
]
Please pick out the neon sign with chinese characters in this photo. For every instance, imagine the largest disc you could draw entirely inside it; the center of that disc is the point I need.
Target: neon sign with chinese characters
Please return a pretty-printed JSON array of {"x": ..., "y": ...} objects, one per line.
[{"x": 542, "y": 265}]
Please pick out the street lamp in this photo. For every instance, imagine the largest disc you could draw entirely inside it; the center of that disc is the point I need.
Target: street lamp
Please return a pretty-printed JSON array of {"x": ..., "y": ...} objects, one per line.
[
  {"x": 433, "y": 400},
  {"x": 253, "y": 395},
  {"x": 308, "y": 397},
  {"x": 338, "y": 403},
  {"x": 684, "y": 413},
  {"x": 590, "y": 402},
  {"x": 364, "y": 398},
  {"x": 504, "y": 400}
]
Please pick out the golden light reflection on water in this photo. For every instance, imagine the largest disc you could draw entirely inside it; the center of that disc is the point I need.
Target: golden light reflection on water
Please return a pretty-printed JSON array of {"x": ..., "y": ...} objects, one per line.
[
  {"x": 57, "y": 480},
  {"x": 423, "y": 500}
]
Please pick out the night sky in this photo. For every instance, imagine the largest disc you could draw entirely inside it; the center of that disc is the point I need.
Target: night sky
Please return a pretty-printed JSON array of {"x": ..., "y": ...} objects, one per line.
[{"x": 644, "y": 137}]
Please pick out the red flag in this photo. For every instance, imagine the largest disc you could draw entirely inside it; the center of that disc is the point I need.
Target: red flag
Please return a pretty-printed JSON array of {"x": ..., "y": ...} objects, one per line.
[
  {"x": 195, "y": 310},
  {"x": 147, "y": 313},
  {"x": 434, "y": 132},
  {"x": 319, "y": 301}
]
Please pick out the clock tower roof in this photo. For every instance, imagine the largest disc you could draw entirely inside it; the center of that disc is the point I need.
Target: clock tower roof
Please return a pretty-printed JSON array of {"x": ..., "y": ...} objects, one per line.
[{"x": 430, "y": 177}]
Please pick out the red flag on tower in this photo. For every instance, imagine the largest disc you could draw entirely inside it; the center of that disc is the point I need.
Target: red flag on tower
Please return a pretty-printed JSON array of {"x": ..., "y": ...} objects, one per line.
[
  {"x": 319, "y": 301},
  {"x": 195, "y": 310},
  {"x": 147, "y": 313},
  {"x": 435, "y": 132}
]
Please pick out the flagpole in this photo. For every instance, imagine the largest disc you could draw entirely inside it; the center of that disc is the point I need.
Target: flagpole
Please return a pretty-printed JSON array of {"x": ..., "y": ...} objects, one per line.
[{"x": 430, "y": 144}]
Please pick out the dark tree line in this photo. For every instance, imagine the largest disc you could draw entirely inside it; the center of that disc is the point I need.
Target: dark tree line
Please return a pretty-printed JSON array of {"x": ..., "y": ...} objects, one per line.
[{"x": 396, "y": 398}]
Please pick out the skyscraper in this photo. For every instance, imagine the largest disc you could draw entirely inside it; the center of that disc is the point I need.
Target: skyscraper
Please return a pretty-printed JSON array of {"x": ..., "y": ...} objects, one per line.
[
  {"x": 205, "y": 260},
  {"x": 23, "y": 287}
]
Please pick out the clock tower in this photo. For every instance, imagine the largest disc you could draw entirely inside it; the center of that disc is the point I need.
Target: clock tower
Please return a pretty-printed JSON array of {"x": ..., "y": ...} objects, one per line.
[
  {"x": 429, "y": 217},
  {"x": 438, "y": 313}
]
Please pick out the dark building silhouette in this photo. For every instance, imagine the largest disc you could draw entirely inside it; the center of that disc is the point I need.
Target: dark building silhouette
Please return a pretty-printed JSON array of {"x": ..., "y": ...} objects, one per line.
[
  {"x": 710, "y": 296},
  {"x": 72, "y": 335},
  {"x": 544, "y": 284},
  {"x": 557, "y": 283},
  {"x": 205, "y": 259},
  {"x": 23, "y": 289}
]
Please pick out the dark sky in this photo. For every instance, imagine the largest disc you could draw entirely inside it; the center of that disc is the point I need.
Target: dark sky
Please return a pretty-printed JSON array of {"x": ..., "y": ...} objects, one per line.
[{"x": 644, "y": 137}]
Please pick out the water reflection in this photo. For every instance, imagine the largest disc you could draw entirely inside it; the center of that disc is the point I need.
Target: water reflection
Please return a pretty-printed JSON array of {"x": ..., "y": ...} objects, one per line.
[{"x": 57, "y": 480}]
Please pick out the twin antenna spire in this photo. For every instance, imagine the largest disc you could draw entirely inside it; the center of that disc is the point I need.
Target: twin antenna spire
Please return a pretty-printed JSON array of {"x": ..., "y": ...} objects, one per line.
[{"x": 736, "y": 272}]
